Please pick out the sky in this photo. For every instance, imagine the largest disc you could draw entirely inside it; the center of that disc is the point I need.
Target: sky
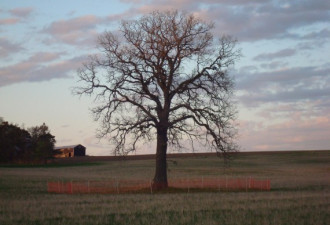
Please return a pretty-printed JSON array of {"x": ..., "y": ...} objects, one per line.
[{"x": 282, "y": 79}]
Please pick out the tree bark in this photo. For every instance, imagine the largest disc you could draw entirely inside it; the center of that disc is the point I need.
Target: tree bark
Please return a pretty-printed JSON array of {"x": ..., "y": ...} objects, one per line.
[{"x": 160, "y": 179}]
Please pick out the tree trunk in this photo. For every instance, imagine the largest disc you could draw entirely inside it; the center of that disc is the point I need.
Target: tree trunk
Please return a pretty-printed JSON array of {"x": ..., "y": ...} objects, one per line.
[{"x": 160, "y": 179}]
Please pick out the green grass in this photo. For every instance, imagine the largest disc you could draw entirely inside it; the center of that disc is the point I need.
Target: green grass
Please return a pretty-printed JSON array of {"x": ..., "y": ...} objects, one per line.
[{"x": 300, "y": 193}]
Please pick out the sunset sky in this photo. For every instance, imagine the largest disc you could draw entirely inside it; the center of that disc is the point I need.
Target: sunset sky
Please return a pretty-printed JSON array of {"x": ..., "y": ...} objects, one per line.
[{"x": 282, "y": 80}]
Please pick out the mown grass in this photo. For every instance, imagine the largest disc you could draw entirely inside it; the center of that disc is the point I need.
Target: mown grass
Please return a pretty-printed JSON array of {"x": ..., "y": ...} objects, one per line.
[{"x": 300, "y": 193}]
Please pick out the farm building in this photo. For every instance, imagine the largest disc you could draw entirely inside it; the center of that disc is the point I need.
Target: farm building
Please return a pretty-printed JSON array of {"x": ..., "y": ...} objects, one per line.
[{"x": 69, "y": 151}]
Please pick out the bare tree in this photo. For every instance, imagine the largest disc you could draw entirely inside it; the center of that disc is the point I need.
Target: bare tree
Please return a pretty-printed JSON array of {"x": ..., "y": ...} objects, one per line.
[{"x": 163, "y": 75}]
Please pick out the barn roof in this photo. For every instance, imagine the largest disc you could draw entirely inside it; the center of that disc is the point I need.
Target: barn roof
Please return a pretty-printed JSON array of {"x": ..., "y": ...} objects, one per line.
[{"x": 67, "y": 146}]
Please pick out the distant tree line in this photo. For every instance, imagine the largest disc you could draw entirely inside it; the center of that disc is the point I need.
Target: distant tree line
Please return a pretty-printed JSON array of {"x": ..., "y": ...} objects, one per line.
[{"x": 19, "y": 145}]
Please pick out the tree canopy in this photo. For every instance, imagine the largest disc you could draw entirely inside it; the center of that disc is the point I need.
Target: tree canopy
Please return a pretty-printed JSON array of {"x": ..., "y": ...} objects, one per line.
[{"x": 36, "y": 144}]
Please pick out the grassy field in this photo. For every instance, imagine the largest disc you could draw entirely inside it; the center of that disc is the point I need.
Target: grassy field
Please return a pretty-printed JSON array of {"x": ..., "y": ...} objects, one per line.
[{"x": 300, "y": 192}]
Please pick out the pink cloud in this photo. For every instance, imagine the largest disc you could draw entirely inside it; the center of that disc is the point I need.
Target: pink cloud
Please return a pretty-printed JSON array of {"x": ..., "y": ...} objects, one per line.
[
  {"x": 125, "y": 15},
  {"x": 132, "y": 1},
  {"x": 246, "y": 20},
  {"x": 7, "y": 47},
  {"x": 294, "y": 133},
  {"x": 76, "y": 31},
  {"x": 21, "y": 12},
  {"x": 185, "y": 5},
  {"x": 45, "y": 57},
  {"x": 9, "y": 21},
  {"x": 39, "y": 67},
  {"x": 79, "y": 23},
  {"x": 18, "y": 12},
  {"x": 288, "y": 126}
]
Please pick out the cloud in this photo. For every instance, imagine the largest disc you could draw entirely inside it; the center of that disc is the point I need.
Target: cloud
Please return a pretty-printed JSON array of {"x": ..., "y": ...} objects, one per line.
[
  {"x": 7, "y": 47},
  {"x": 322, "y": 34},
  {"x": 274, "y": 65},
  {"x": 18, "y": 14},
  {"x": 285, "y": 96},
  {"x": 249, "y": 20},
  {"x": 40, "y": 57},
  {"x": 132, "y": 1},
  {"x": 280, "y": 54},
  {"x": 283, "y": 77},
  {"x": 9, "y": 21},
  {"x": 290, "y": 108},
  {"x": 264, "y": 20},
  {"x": 307, "y": 109},
  {"x": 39, "y": 67},
  {"x": 294, "y": 133},
  {"x": 77, "y": 31},
  {"x": 286, "y": 85},
  {"x": 21, "y": 12},
  {"x": 245, "y": 20}
]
